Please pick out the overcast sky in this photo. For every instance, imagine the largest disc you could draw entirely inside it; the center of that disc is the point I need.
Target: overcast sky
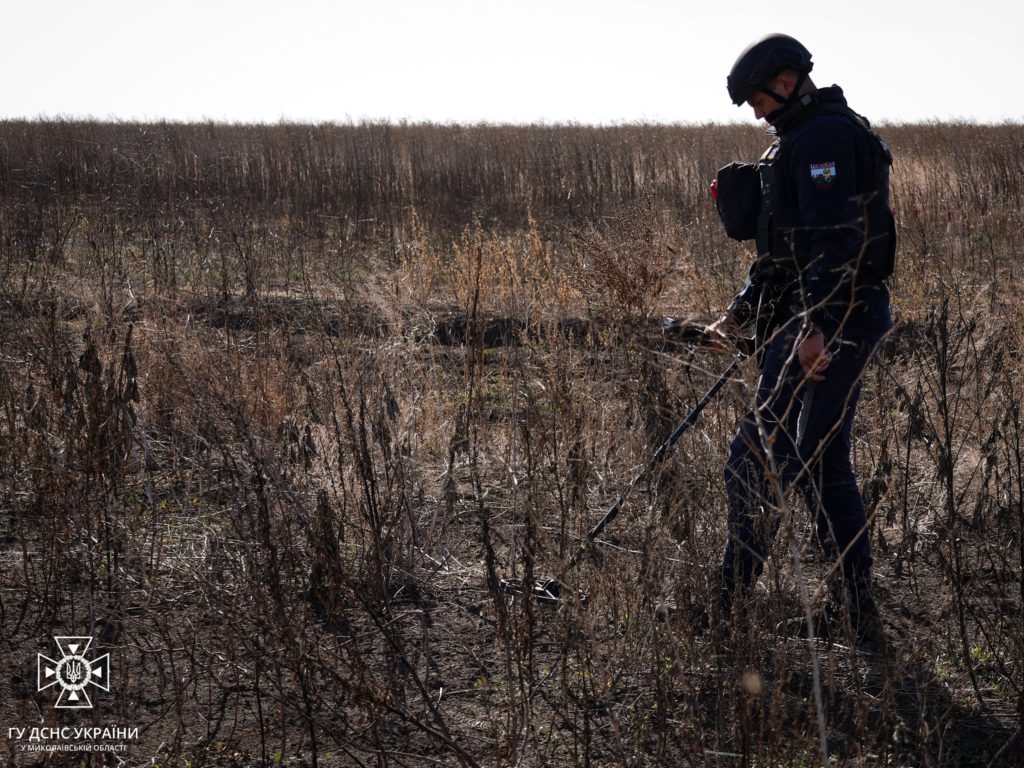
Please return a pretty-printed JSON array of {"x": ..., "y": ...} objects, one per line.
[{"x": 584, "y": 61}]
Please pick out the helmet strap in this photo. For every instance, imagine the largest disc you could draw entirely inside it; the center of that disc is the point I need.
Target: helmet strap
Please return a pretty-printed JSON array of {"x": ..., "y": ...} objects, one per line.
[
  {"x": 788, "y": 105},
  {"x": 793, "y": 96},
  {"x": 796, "y": 88}
]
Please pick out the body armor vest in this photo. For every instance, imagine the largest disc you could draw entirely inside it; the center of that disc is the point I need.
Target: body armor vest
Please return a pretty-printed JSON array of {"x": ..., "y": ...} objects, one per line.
[{"x": 779, "y": 231}]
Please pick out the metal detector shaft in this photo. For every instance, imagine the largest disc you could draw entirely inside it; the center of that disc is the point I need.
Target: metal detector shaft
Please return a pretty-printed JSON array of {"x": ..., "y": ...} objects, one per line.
[{"x": 656, "y": 459}]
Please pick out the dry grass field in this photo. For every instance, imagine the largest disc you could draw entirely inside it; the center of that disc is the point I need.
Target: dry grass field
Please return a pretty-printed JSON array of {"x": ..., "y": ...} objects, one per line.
[{"x": 280, "y": 406}]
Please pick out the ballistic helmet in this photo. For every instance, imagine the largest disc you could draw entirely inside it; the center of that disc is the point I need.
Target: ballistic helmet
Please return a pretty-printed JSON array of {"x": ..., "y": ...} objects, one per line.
[{"x": 761, "y": 61}]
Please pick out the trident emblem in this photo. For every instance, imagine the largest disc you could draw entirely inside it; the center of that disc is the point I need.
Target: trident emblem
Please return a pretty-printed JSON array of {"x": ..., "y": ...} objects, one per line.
[{"x": 73, "y": 672}]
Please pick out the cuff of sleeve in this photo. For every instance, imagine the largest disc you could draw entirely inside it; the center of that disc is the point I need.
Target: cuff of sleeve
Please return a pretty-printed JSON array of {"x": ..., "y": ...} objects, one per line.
[
  {"x": 818, "y": 322},
  {"x": 741, "y": 312}
]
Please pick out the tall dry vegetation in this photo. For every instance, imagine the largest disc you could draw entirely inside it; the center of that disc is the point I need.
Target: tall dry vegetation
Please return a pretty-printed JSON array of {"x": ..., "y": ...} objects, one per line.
[{"x": 281, "y": 405}]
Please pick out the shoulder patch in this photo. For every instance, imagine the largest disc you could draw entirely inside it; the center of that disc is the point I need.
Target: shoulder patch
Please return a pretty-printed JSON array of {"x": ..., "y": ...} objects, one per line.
[{"x": 823, "y": 175}]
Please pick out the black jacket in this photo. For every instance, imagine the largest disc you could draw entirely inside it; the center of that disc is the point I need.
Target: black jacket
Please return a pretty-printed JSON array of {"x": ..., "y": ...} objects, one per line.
[{"x": 825, "y": 232}]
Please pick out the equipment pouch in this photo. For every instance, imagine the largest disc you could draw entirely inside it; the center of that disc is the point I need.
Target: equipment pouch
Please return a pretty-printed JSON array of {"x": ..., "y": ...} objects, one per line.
[
  {"x": 883, "y": 162},
  {"x": 739, "y": 199},
  {"x": 890, "y": 252}
]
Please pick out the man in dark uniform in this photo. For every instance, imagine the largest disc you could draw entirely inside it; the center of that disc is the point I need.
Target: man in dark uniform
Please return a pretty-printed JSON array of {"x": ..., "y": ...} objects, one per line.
[{"x": 818, "y": 209}]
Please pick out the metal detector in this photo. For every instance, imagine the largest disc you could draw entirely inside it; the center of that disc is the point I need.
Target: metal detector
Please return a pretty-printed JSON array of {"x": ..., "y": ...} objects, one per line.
[{"x": 549, "y": 589}]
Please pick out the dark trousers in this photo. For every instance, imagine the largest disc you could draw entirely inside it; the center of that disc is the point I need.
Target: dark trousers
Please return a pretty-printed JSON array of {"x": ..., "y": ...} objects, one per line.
[{"x": 798, "y": 432}]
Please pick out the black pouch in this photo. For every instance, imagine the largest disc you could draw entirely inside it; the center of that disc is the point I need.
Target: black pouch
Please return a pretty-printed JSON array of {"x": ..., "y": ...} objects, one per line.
[{"x": 739, "y": 199}]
